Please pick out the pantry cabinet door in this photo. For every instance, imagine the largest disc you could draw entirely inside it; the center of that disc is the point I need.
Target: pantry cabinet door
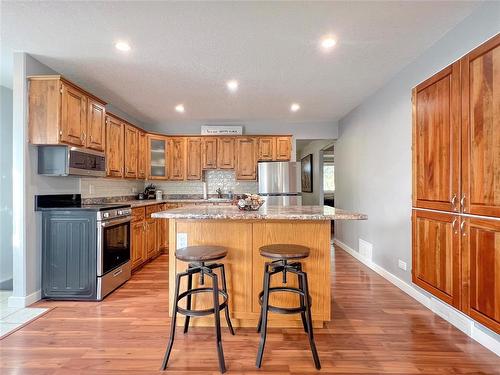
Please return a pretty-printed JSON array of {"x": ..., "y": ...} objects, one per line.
[
  {"x": 96, "y": 128},
  {"x": 436, "y": 142},
  {"x": 131, "y": 149},
  {"x": 436, "y": 254},
  {"x": 481, "y": 270},
  {"x": 481, "y": 129},
  {"x": 209, "y": 153},
  {"x": 193, "y": 163},
  {"x": 114, "y": 147},
  {"x": 225, "y": 153},
  {"x": 73, "y": 115}
]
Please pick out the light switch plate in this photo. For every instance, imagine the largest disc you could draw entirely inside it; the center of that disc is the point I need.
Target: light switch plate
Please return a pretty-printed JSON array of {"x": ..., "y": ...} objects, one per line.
[{"x": 182, "y": 240}]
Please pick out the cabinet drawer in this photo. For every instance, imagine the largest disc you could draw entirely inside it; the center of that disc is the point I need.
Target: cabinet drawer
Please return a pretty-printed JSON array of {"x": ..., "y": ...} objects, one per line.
[
  {"x": 138, "y": 214},
  {"x": 152, "y": 209}
]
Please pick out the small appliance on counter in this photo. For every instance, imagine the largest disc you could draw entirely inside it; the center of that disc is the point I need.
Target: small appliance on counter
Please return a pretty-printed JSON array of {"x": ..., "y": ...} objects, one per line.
[
  {"x": 150, "y": 192},
  {"x": 85, "y": 247},
  {"x": 159, "y": 195}
]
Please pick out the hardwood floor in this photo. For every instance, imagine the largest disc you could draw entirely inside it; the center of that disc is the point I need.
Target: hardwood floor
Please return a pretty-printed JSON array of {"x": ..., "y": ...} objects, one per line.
[{"x": 376, "y": 328}]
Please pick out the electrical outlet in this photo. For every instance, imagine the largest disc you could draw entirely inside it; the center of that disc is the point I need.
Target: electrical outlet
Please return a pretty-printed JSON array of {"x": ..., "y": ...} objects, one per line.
[
  {"x": 365, "y": 249},
  {"x": 402, "y": 265},
  {"x": 182, "y": 240},
  {"x": 91, "y": 189},
  {"x": 134, "y": 190}
]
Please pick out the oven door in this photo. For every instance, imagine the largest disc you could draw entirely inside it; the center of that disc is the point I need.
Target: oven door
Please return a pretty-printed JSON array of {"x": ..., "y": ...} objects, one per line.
[{"x": 113, "y": 244}]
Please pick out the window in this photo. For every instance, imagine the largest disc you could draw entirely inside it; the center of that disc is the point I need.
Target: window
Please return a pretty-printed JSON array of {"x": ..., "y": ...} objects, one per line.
[{"x": 328, "y": 178}]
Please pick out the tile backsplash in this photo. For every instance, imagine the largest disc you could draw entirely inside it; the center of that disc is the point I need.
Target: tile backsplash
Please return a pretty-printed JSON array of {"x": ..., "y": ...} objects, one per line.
[{"x": 226, "y": 180}]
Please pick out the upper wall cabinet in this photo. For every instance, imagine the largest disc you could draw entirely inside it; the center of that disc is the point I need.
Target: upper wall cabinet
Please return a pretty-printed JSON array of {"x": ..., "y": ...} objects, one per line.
[
  {"x": 142, "y": 151},
  {"x": 246, "y": 158},
  {"x": 225, "y": 153},
  {"x": 157, "y": 157},
  {"x": 114, "y": 146},
  {"x": 131, "y": 149},
  {"x": 177, "y": 158},
  {"x": 283, "y": 148},
  {"x": 62, "y": 113},
  {"x": 266, "y": 148},
  {"x": 436, "y": 143},
  {"x": 481, "y": 129},
  {"x": 209, "y": 153},
  {"x": 96, "y": 129},
  {"x": 193, "y": 156}
]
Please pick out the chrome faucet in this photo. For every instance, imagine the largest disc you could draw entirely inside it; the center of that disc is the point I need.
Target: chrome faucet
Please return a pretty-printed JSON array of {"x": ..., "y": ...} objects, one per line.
[{"x": 219, "y": 192}]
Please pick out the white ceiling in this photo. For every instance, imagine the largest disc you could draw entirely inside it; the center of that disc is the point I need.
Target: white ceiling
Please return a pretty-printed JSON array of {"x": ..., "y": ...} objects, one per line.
[{"x": 183, "y": 52}]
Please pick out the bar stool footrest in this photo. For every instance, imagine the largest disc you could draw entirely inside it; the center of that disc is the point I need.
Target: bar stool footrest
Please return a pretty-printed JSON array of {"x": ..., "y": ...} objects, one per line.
[
  {"x": 284, "y": 310},
  {"x": 198, "y": 313}
]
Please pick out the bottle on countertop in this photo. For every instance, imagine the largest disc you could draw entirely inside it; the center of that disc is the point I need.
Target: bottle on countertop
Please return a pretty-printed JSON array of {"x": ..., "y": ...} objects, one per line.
[{"x": 205, "y": 193}]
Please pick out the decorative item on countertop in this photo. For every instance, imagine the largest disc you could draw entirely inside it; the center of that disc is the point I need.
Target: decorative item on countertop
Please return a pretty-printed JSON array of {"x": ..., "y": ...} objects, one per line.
[
  {"x": 159, "y": 195},
  {"x": 150, "y": 191},
  {"x": 250, "y": 202},
  {"x": 140, "y": 196}
]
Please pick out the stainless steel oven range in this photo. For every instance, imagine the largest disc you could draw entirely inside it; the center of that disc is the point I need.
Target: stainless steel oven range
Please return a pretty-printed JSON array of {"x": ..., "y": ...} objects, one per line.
[{"x": 85, "y": 247}]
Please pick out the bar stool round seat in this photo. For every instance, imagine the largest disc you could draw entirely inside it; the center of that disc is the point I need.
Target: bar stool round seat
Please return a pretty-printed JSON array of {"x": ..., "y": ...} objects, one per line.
[
  {"x": 284, "y": 251},
  {"x": 200, "y": 253}
]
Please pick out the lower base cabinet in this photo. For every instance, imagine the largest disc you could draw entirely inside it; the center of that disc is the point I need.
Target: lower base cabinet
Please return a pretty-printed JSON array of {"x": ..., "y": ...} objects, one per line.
[
  {"x": 481, "y": 271},
  {"x": 457, "y": 259},
  {"x": 137, "y": 252}
]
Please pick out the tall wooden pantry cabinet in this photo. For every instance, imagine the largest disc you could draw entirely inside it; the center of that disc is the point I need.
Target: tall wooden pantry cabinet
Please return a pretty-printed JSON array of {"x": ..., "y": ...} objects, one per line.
[{"x": 456, "y": 184}]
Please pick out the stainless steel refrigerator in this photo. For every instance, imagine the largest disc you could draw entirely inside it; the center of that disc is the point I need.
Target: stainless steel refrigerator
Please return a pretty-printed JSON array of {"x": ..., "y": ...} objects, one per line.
[{"x": 279, "y": 183}]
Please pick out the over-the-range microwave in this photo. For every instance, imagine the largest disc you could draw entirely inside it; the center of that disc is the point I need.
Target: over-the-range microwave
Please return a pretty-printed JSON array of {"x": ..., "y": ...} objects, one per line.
[{"x": 70, "y": 161}]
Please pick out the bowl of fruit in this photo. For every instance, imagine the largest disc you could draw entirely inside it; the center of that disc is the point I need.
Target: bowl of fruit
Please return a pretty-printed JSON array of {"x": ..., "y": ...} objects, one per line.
[{"x": 250, "y": 202}]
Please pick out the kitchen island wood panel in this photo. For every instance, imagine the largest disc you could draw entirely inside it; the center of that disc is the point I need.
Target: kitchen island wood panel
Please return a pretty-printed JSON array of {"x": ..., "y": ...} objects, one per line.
[{"x": 244, "y": 266}]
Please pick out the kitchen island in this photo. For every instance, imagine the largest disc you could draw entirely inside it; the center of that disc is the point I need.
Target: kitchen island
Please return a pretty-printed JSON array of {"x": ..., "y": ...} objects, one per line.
[{"x": 243, "y": 233}]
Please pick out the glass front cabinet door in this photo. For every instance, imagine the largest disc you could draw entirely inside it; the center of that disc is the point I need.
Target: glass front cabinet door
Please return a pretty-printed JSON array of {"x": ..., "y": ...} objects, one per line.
[{"x": 157, "y": 157}]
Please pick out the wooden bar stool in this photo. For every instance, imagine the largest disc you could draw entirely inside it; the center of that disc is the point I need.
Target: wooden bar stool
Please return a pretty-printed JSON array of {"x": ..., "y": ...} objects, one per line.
[
  {"x": 197, "y": 256},
  {"x": 281, "y": 254}
]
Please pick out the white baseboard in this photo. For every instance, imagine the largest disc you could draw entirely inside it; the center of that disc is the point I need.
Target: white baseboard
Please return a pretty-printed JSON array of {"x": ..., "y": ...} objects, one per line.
[
  {"x": 448, "y": 313},
  {"x": 22, "y": 302}
]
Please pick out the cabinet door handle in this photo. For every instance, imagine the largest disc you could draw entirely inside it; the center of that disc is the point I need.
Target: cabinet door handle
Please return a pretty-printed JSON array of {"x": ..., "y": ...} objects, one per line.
[
  {"x": 462, "y": 202},
  {"x": 454, "y": 201},
  {"x": 453, "y": 225},
  {"x": 462, "y": 229}
]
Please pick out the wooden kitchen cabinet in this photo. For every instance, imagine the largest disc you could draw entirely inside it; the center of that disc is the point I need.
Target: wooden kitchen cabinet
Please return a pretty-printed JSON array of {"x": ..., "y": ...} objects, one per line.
[
  {"x": 157, "y": 157},
  {"x": 131, "y": 151},
  {"x": 138, "y": 255},
  {"x": 142, "y": 157},
  {"x": 225, "y": 152},
  {"x": 162, "y": 230},
  {"x": 114, "y": 146},
  {"x": 266, "y": 148},
  {"x": 62, "y": 113},
  {"x": 177, "y": 158},
  {"x": 436, "y": 143},
  {"x": 481, "y": 129},
  {"x": 436, "y": 254},
  {"x": 73, "y": 115},
  {"x": 481, "y": 271},
  {"x": 96, "y": 125},
  {"x": 209, "y": 153},
  {"x": 150, "y": 238},
  {"x": 283, "y": 148},
  {"x": 246, "y": 158},
  {"x": 193, "y": 162}
]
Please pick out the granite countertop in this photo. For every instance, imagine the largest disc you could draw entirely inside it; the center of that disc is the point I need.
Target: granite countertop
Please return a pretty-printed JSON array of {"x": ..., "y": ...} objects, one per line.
[
  {"x": 206, "y": 212},
  {"x": 149, "y": 202}
]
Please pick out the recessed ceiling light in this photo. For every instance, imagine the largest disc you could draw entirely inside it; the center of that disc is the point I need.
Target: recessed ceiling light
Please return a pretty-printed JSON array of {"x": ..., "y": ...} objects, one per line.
[
  {"x": 232, "y": 85},
  {"x": 294, "y": 107},
  {"x": 180, "y": 108},
  {"x": 122, "y": 46},
  {"x": 328, "y": 42}
]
